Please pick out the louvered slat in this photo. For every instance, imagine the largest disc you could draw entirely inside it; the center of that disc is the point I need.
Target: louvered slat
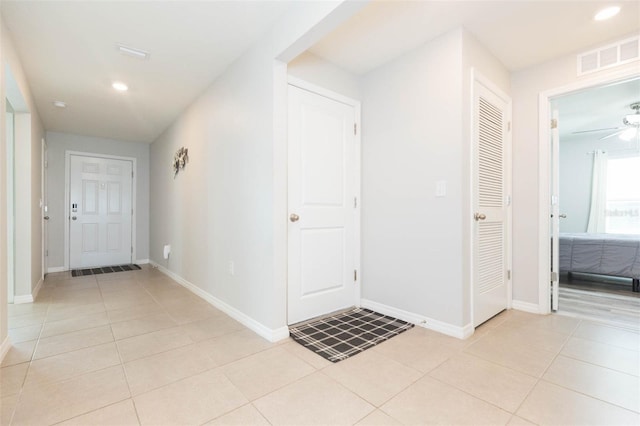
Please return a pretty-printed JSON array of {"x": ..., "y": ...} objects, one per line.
[
  {"x": 490, "y": 164},
  {"x": 490, "y": 256}
]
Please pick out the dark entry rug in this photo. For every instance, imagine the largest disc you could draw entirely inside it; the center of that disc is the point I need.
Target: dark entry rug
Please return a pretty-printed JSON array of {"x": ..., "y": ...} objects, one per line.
[
  {"x": 103, "y": 270},
  {"x": 348, "y": 333}
]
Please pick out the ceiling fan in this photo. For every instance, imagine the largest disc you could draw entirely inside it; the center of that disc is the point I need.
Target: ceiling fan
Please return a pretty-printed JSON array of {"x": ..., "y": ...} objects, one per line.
[{"x": 630, "y": 130}]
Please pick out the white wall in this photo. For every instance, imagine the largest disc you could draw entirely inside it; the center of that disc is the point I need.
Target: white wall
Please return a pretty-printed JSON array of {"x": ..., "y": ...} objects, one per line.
[
  {"x": 315, "y": 70},
  {"x": 527, "y": 85},
  {"x": 229, "y": 204},
  {"x": 416, "y": 131},
  {"x": 31, "y": 227},
  {"x": 58, "y": 144}
]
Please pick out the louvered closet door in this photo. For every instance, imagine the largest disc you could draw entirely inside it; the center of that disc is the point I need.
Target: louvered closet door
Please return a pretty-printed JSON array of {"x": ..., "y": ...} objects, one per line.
[{"x": 490, "y": 210}]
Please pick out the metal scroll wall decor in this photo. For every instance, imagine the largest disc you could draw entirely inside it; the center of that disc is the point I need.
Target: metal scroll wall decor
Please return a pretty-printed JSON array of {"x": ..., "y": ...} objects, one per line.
[{"x": 180, "y": 159}]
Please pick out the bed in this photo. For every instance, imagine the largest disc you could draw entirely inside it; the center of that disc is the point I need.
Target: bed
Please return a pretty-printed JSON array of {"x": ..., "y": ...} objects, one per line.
[{"x": 601, "y": 254}]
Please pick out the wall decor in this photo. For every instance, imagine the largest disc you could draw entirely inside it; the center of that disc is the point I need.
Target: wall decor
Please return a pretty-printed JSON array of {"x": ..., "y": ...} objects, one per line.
[{"x": 180, "y": 159}]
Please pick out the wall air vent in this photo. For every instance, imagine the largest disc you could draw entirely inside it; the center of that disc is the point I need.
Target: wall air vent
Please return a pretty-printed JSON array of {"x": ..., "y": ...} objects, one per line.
[{"x": 612, "y": 55}]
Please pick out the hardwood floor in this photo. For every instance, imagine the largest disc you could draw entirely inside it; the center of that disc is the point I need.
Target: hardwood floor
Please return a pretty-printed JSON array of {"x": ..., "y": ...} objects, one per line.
[{"x": 606, "y": 299}]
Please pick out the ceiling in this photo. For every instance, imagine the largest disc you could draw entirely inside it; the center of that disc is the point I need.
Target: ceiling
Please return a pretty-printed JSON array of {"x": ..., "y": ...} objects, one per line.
[
  {"x": 68, "y": 51},
  {"x": 597, "y": 108},
  {"x": 68, "y": 48},
  {"x": 519, "y": 33}
]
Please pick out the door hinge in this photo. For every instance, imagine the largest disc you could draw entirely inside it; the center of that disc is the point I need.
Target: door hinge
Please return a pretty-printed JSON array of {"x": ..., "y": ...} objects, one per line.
[
  {"x": 355, "y": 275},
  {"x": 355, "y": 128},
  {"x": 508, "y": 126},
  {"x": 46, "y": 164},
  {"x": 46, "y": 252},
  {"x": 131, "y": 212},
  {"x": 508, "y": 274},
  {"x": 132, "y": 173},
  {"x": 131, "y": 250},
  {"x": 554, "y": 276},
  {"x": 355, "y": 202},
  {"x": 554, "y": 123}
]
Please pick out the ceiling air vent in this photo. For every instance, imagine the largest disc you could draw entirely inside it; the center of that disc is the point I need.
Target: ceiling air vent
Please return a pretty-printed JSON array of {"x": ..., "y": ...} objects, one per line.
[{"x": 609, "y": 56}]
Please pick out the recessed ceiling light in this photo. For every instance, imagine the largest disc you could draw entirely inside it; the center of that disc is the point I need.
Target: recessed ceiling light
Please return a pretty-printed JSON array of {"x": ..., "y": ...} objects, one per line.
[
  {"x": 607, "y": 13},
  {"x": 59, "y": 104},
  {"x": 120, "y": 86},
  {"x": 132, "y": 51}
]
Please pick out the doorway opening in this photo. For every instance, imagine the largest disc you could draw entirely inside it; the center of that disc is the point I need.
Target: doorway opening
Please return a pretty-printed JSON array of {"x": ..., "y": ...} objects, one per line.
[{"x": 595, "y": 203}]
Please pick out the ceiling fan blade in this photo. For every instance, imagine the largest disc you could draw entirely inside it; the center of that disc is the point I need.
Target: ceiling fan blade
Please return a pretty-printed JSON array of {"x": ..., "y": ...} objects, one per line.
[
  {"x": 597, "y": 130},
  {"x": 613, "y": 134}
]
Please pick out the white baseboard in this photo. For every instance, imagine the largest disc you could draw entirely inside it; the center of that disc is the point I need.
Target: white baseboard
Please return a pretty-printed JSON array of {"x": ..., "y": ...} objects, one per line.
[
  {"x": 141, "y": 261},
  {"x": 28, "y": 298},
  {"x": 4, "y": 348},
  {"x": 52, "y": 269},
  {"x": 272, "y": 335},
  {"x": 419, "y": 320},
  {"x": 18, "y": 300},
  {"x": 519, "y": 305},
  {"x": 34, "y": 293}
]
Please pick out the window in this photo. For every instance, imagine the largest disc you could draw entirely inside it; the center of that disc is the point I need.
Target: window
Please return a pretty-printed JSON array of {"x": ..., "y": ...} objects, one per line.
[{"x": 622, "y": 215}]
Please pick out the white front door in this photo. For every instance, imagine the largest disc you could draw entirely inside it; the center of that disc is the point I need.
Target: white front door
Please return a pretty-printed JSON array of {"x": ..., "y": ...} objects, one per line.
[
  {"x": 490, "y": 260},
  {"x": 322, "y": 205},
  {"x": 100, "y": 211}
]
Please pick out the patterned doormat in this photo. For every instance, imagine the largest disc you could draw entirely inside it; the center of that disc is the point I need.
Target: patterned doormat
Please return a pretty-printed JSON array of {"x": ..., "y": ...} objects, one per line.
[
  {"x": 103, "y": 270},
  {"x": 348, "y": 333}
]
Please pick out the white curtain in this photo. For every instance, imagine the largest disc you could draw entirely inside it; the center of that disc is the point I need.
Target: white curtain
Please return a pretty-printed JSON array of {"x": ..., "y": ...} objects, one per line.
[{"x": 598, "y": 193}]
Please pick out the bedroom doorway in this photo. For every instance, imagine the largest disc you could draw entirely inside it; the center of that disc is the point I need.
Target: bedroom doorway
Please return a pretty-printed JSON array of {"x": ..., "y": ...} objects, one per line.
[{"x": 595, "y": 205}]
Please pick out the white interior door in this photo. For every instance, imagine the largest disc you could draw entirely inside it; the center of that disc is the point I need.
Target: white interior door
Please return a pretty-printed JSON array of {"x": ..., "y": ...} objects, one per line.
[
  {"x": 490, "y": 256},
  {"x": 100, "y": 211},
  {"x": 555, "y": 211},
  {"x": 45, "y": 210},
  {"x": 322, "y": 205}
]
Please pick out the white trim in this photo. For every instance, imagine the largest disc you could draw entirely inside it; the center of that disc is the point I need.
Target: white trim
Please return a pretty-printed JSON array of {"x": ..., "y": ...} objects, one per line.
[
  {"x": 519, "y": 305},
  {"x": 4, "y": 348},
  {"x": 36, "y": 290},
  {"x": 141, "y": 261},
  {"x": 53, "y": 269},
  {"x": 544, "y": 195},
  {"x": 419, "y": 320},
  {"x": 19, "y": 300},
  {"x": 134, "y": 185},
  {"x": 272, "y": 335},
  {"x": 357, "y": 107}
]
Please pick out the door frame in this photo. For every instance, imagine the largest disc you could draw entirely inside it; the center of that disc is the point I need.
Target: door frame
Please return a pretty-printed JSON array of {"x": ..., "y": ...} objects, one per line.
[
  {"x": 44, "y": 208},
  {"x": 477, "y": 77},
  {"x": 67, "y": 174},
  {"x": 321, "y": 91},
  {"x": 544, "y": 172}
]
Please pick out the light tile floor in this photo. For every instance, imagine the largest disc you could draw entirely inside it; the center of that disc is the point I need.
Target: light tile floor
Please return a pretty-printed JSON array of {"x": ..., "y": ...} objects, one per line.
[{"x": 137, "y": 348}]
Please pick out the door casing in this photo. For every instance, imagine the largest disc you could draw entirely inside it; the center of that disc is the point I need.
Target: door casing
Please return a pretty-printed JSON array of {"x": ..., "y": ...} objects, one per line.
[
  {"x": 67, "y": 173},
  {"x": 302, "y": 84}
]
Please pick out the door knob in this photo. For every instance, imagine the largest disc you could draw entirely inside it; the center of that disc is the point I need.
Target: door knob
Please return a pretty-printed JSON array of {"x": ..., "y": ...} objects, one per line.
[
  {"x": 73, "y": 217},
  {"x": 294, "y": 217},
  {"x": 46, "y": 218},
  {"x": 479, "y": 216}
]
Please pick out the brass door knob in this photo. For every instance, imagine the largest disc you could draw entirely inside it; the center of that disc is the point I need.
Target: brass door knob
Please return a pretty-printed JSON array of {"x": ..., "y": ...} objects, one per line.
[
  {"x": 294, "y": 217},
  {"x": 479, "y": 216}
]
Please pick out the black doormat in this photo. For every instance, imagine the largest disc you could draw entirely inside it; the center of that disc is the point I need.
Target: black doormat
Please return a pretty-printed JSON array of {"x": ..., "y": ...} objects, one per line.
[
  {"x": 346, "y": 334},
  {"x": 103, "y": 270}
]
